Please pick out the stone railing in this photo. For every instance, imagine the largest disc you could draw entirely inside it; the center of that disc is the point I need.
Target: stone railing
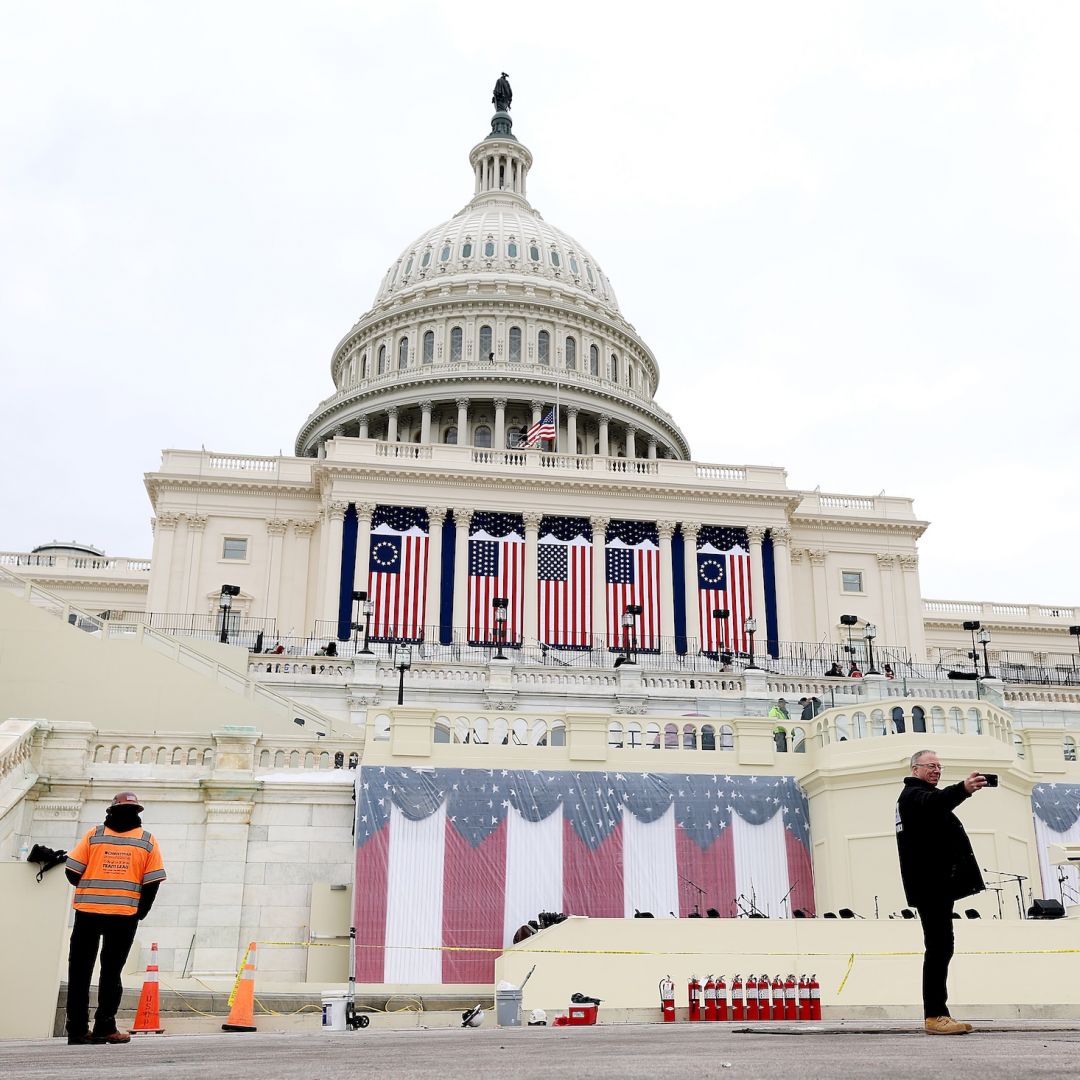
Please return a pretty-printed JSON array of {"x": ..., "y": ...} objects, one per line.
[
  {"x": 984, "y": 609},
  {"x": 16, "y": 744},
  {"x": 68, "y": 564},
  {"x": 322, "y": 668}
]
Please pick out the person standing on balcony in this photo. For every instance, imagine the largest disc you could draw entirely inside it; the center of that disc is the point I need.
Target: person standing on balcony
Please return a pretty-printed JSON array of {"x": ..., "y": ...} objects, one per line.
[
  {"x": 116, "y": 869},
  {"x": 937, "y": 867}
]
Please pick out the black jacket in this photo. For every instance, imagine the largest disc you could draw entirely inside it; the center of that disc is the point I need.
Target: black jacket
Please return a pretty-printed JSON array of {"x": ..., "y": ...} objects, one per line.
[{"x": 936, "y": 860}]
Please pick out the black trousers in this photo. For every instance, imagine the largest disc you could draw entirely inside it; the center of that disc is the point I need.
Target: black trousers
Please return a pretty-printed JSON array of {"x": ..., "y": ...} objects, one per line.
[
  {"x": 114, "y": 934},
  {"x": 937, "y": 923}
]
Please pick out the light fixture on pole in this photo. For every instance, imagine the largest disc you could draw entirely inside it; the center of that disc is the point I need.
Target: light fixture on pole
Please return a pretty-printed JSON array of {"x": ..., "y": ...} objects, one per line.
[
  {"x": 1075, "y": 631},
  {"x": 750, "y": 626},
  {"x": 870, "y": 632},
  {"x": 367, "y": 607},
  {"x": 225, "y": 604},
  {"x": 849, "y": 621},
  {"x": 973, "y": 625},
  {"x": 721, "y": 615},
  {"x": 402, "y": 660},
  {"x": 500, "y": 604},
  {"x": 358, "y": 599},
  {"x": 630, "y": 612},
  {"x": 984, "y": 640}
]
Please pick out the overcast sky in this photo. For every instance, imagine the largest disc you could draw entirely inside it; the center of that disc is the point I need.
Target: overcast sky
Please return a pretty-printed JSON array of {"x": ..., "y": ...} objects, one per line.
[{"x": 849, "y": 232}]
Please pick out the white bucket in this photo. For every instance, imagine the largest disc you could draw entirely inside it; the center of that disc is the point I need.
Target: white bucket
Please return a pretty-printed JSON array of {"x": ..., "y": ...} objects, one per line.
[{"x": 333, "y": 1010}]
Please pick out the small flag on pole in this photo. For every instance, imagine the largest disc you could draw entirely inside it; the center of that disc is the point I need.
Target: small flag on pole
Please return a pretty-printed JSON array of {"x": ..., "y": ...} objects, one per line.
[{"x": 542, "y": 429}]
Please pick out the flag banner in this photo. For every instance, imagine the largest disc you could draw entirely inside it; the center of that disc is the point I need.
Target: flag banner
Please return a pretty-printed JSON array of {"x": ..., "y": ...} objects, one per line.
[
  {"x": 1056, "y": 808},
  {"x": 564, "y": 582},
  {"x": 723, "y": 569},
  {"x": 496, "y": 569},
  {"x": 397, "y": 573},
  {"x": 632, "y": 576},
  {"x": 450, "y": 863},
  {"x": 542, "y": 429}
]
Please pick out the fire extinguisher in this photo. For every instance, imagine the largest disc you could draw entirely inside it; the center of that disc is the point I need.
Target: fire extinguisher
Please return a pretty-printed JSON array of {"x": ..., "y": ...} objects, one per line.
[
  {"x": 790, "y": 1003},
  {"x": 763, "y": 988},
  {"x": 710, "y": 999},
  {"x": 815, "y": 998},
  {"x": 693, "y": 993},
  {"x": 737, "y": 1012},
  {"x": 751, "y": 998},
  {"x": 667, "y": 999},
  {"x": 778, "y": 998},
  {"x": 804, "y": 997},
  {"x": 721, "y": 998}
]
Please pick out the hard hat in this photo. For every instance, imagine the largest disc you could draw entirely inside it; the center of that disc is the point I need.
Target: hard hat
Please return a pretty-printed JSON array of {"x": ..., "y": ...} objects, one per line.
[
  {"x": 127, "y": 798},
  {"x": 473, "y": 1017},
  {"x": 537, "y": 1017}
]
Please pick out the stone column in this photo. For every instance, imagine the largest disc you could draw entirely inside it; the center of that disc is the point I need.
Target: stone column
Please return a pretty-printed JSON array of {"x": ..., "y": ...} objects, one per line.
[
  {"x": 462, "y": 520},
  {"x": 275, "y": 530},
  {"x": 436, "y": 517},
  {"x": 298, "y": 610},
  {"x": 363, "y": 432},
  {"x": 605, "y": 420},
  {"x": 196, "y": 526},
  {"x": 425, "y": 422},
  {"x": 333, "y": 523},
  {"x": 916, "y": 642},
  {"x": 157, "y": 596},
  {"x": 822, "y": 619},
  {"x": 499, "y": 442},
  {"x": 631, "y": 441},
  {"x": 652, "y": 448},
  {"x": 690, "y": 530},
  {"x": 571, "y": 429},
  {"x": 599, "y": 590},
  {"x": 667, "y": 588},
  {"x": 364, "y": 512},
  {"x": 391, "y": 424},
  {"x": 537, "y": 411},
  {"x": 529, "y": 616},
  {"x": 463, "y": 421},
  {"x": 781, "y": 538},
  {"x": 756, "y": 534},
  {"x": 889, "y": 631}
]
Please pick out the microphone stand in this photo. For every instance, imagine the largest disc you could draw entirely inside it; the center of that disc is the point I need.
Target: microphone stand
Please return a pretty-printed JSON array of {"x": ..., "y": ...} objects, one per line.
[
  {"x": 1019, "y": 879},
  {"x": 784, "y": 898},
  {"x": 700, "y": 891}
]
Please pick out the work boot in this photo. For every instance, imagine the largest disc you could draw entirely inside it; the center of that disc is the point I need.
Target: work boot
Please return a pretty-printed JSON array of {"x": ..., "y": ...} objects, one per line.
[
  {"x": 945, "y": 1025},
  {"x": 114, "y": 1038},
  {"x": 84, "y": 1038}
]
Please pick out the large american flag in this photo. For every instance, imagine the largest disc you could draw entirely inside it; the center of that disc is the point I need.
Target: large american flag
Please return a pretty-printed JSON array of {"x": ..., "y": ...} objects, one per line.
[
  {"x": 397, "y": 573},
  {"x": 496, "y": 569},
  {"x": 450, "y": 862},
  {"x": 632, "y": 576},
  {"x": 542, "y": 429},
  {"x": 723, "y": 569},
  {"x": 564, "y": 582}
]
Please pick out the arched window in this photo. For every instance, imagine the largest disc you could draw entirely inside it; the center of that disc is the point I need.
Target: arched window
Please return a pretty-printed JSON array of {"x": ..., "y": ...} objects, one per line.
[
  {"x": 613, "y": 368},
  {"x": 403, "y": 353},
  {"x": 382, "y": 359},
  {"x": 466, "y": 250},
  {"x": 1070, "y": 748},
  {"x": 444, "y": 255},
  {"x": 574, "y": 267},
  {"x": 918, "y": 718},
  {"x": 594, "y": 360},
  {"x": 515, "y": 344},
  {"x": 408, "y": 266},
  {"x": 450, "y": 438},
  {"x": 571, "y": 354},
  {"x": 489, "y": 249},
  {"x": 425, "y": 261},
  {"x": 429, "y": 346},
  {"x": 482, "y": 436},
  {"x": 898, "y": 721},
  {"x": 543, "y": 347},
  {"x": 511, "y": 250},
  {"x": 485, "y": 342},
  {"x": 630, "y": 375},
  {"x": 455, "y": 344},
  {"x": 363, "y": 367},
  {"x": 534, "y": 253},
  {"x": 555, "y": 260}
]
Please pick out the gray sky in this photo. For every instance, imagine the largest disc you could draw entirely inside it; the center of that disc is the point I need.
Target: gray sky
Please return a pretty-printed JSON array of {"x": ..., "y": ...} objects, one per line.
[{"x": 856, "y": 225}]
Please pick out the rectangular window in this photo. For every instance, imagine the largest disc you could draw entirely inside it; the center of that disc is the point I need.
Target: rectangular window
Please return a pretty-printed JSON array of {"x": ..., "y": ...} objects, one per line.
[
  {"x": 234, "y": 547},
  {"x": 851, "y": 580}
]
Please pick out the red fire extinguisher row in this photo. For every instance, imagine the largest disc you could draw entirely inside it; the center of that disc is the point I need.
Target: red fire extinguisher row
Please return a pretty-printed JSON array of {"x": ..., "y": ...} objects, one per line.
[{"x": 758, "y": 998}]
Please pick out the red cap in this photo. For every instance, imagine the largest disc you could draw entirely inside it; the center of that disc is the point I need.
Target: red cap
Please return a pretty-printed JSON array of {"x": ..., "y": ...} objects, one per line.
[{"x": 127, "y": 798}]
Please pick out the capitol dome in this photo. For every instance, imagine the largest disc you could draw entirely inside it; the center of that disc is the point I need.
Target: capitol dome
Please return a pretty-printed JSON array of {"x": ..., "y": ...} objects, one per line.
[{"x": 487, "y": 323}]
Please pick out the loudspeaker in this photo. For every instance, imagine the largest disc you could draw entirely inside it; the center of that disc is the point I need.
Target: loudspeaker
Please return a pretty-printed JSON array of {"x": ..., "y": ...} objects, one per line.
[{"x": 1046, "y": 909}]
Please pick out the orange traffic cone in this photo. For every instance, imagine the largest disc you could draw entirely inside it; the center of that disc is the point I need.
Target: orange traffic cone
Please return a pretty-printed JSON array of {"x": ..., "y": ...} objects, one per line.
[
  {"x": 242, "y": 1014},
  {"x": 148, "y": 1014}
]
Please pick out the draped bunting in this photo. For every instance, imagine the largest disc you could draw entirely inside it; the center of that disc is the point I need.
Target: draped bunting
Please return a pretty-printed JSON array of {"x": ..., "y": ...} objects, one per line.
[
  {"x": 1056, "y": 808},
  {"x": 450, "y": 862}
]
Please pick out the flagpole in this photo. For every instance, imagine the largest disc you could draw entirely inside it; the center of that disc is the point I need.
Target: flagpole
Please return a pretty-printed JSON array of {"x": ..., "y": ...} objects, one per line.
[{"x": 558, "y": 387}]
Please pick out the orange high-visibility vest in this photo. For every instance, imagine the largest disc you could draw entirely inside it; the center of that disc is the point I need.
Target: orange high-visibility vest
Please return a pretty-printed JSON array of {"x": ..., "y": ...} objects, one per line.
[{"x": 113, "y": 868}]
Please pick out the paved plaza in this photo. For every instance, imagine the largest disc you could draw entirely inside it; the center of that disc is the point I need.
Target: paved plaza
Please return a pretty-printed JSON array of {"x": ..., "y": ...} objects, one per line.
[{"x": 996, "y": 1050}]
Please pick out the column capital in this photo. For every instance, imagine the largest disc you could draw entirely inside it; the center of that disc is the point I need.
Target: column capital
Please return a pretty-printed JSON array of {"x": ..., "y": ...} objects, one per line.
[
  {"x": 690, "y": 529},
  {"x": 364, "y": 511},
  {"x": 599, "y": 524},
  {"x": 391, "y": 410},
  {"x": 303, "y": 526},
  {"x": 532, "y": 518},
  {"x": 631, "y": 429},
  {"x": 755, "y": 533},
  {"x": 908, "y": 562},
  {"x": 604, "y": 418},
  {"x": 798, "y": 554},
  {"x": 276, "y": 527},
  {"x": 537, "y": 404},
  {"x": 196, "y": 522},
  {"x": 463, "y": 515},
  {"x": 462, "y": 402},
  {"x": 781, "y": 535},
  {"x": 571, "y": 410},
  {"x": 886, "y": 562},
  {"x": 665, "y": 529},
  {"x": 335, "y": 511},
  {"x": 426, "y": 405},
  {"x": 435, "y": 514},
  {"x": 500, "y": 402},
  {"x": 165, "y": 521},
  {"x": 652, "y": 441},
  {"x": 817, "y": 556}
]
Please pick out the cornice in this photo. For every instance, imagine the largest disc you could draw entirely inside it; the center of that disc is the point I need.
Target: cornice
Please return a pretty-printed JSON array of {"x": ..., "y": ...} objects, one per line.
[
  {"x": 176, "y": 483},
  {"x": 802, "y": 523},
  {"x": 937, "y": 622},
  {"x": 91, "y": 582}
]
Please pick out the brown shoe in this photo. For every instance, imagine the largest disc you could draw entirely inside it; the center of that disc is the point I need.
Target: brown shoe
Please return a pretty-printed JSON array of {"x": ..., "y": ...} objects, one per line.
[
  {"x": 113, "y": 1039},
  {"x": 82, "y": 1039},
  {"x": 945, "y": 1025}
]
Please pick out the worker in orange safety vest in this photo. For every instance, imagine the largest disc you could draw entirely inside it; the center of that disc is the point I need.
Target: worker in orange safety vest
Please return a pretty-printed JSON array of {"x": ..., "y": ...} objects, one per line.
[{"x": 116, "y": 869}]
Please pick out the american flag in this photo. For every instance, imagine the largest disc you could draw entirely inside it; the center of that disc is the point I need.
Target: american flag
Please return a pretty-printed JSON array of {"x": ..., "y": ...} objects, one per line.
[
  {"x": 723, "y": 569},
  {"x": 397, "y": 573},
  {"x": 632, "y": 574},
  {"x": 496, "y": 569},
  {"x": 542, "y": 429},
  {"x": 564, "y": 582},
  {"x": 1056, "y": 810},
  {"x": 450, "y": 862}
]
